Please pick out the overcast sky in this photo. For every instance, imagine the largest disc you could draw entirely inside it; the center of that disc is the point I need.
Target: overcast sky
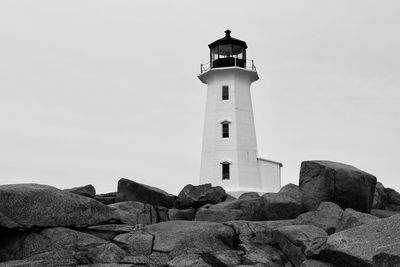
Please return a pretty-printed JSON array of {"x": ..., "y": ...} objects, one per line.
[{"x": 92, "y": 91}]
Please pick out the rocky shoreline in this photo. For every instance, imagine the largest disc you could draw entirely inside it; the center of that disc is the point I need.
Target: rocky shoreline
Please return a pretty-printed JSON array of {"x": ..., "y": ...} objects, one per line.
[{"x": 338, "y": 215}]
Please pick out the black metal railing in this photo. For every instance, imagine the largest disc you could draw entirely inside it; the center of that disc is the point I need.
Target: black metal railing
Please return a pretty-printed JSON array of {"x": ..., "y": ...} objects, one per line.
[{"x": 229, "y": 62}]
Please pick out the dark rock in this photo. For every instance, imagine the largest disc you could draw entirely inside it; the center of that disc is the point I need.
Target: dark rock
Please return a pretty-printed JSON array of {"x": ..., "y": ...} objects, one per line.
[
  {"x": 186, "y": 214},
  {"x": 326, "y": 217},
  {"x": 131, "y": 212},
  {"x": 358, "y": 245},
  {"x": 59, "y": 242},
  {"x": 351, "y": 218},
  {"x": 159, "y": 258},
  {"x": 135, "y": 243},
  {"x": 316, "y": 263},
  {"x": 380, "y": 198},
  {"x": 218, "y": 215},
  {"x": 277, "y": 206},
  {"x": 108, "y": 231},
  {"x": 162, "y": 214},
  {"x": 39, "y": 263},
  {"x": 138, "y": 260},
  {"x": 251, "y": 210},
  {"x": 248, "y": 195},
  {"x": 33, "y": 205},
  {"x": 229, "y": 197},
  {"x": 197, "y": 196},
  {"x": 224, "y": 258},
  {"x": 189, "y": 260},
  {"x": 292, "y": 191},
  {"x": 336, "y": 182},
  {"x": 393, "y": 199},
  {"x": 386, "y": 260},
  {"x": 250, "y": 232},
  {"x": 182, "y": 237},
  {"x": 86, "y": 191},
  {"x": 384, "y": 213},
  {"x": 263, "y": 254},
  {"x": 106, "y": 199},
  {"x": 299, "y": 242},
  {"x": 131, "y": 191}
]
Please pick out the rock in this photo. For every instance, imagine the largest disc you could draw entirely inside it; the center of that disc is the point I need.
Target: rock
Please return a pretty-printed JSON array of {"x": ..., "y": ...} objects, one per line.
[
  {"x": 136, "y": 243},
  {"x": 39, "y": 263},
  {"x": 326, "y": 217},
  {"x": 248, "y": 195},
  {"x": 229, "y": 197},
  {"x": 292, "y": 191},
  {"x": 358, "y": 245},
  {"x": 299, "y": 242},
  {"x": 351, "y": 218},
  {"x": 250, "y": 232},
  {"x": 106, "y": 199},
  {"x": 131, "y": 212},
  {"x": 34, "y": 205},
  {"x": 131, "y": 191},
  {"x": 108, "y": 231},
  {"x": 159, "y": 258},
  {"x": 386, "y": 260},
  {"x": 139, "y": 260},
  {"x": 182, "y": 237},
  {"x": 280, "y": 207},
  {"x": 218, "y": 215},
  {"x": 336, "y": 182},
  {"x": 189, "y": 260},
  {"x": 197, "y": 196},
  {"x": 62, "y": 243},
  {"x": 251, "y": 210},
  {"x": 383, "y": 213},
  {"x": 263, "y": 254},
  {"x": 86, "y": 191},
  {"x": 224, "y": 258},
  {"x": 316, "y": 263},
  {"x": 186, "y": 214},
  {"x": 380, "y": 198},
  {"x": 162, "y": 214},
  {"x": 393, "y": 199}
]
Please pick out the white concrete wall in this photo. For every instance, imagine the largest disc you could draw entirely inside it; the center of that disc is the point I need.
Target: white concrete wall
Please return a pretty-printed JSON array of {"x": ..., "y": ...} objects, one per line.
[{"x": 270, "y": 175}]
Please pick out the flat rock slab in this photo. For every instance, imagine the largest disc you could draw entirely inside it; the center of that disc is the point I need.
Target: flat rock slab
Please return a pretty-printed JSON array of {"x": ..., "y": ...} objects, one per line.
[
  {"x": 182, "y": 237},
  {"x": 34, "y": 205},
  {"x": 132, "y": 191},
  {"x": 327, "y": 217},
  {"x": 336, "y": 182},
  {"x": 300, "y": 242},
  {"x": 358, "y": 245}
]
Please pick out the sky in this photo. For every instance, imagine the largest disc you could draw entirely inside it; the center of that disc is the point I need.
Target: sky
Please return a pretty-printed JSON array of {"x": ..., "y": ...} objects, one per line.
[{"x": 93, "y": 91}]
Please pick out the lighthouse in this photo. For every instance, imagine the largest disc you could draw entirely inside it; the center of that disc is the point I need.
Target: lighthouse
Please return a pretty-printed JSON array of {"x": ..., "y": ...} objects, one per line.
[{"x": 229, "y": 155}]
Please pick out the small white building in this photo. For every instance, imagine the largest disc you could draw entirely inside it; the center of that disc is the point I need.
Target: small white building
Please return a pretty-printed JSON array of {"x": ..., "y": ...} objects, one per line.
[{"x": 229, "y": 155}]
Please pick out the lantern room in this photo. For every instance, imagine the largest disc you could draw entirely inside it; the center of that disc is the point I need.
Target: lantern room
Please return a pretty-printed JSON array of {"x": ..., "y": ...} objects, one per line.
[{"x": 227, "y": 52}]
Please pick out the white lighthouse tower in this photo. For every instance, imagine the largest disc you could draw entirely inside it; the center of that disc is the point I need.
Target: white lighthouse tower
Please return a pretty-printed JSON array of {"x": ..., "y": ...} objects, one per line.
[{"x": 229, "y": 155}]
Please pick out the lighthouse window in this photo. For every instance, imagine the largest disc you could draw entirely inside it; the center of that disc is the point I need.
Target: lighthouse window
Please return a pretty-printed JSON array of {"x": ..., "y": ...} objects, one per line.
[
  {"x": 225, "y": 92},
  {"x": 225, "y": 171},
  {"x": 225, "y": 130}
]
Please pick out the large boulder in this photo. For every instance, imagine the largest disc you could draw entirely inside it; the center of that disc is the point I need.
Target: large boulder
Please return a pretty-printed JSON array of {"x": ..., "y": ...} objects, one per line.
[
  {"x": 259, "y": 254},
  {"x": 292, "y": 191},
  {"x": 380, "y": 198},
  {"x": 300, "y": 242},
  {"x": 351, "y": 218},
  {"x": 218, "y": 215},
  {"x": 59, "y": 242},
  {"x": 248, "y": 195},
  {"x": 247, "y": 209},
  {"x": 132, "y": 191},
  {"x": 197, "y": 196},
  {"x": 86, "y": 191},
  {"x": 327, "y": 217},
  {"x": 252, "y": 232},
  {"x": 336, "y": 182},
  {"x": 392, "y": 199},
  {"x": 131, "y": 212},
  {"x": 277, "y": 206},
  {"x": 136, "y": 242},
  {"x": 182, "y": 237},
  {"x": 106, "y": 199},
  {"x": 186, "y": 214},
  {"x": 34, "y": 205},
  {"x": 358, "y": 245}
]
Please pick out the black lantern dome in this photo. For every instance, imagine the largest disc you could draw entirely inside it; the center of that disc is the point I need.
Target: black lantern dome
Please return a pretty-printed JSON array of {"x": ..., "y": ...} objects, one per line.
[{"x": 228, "y": 52}]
